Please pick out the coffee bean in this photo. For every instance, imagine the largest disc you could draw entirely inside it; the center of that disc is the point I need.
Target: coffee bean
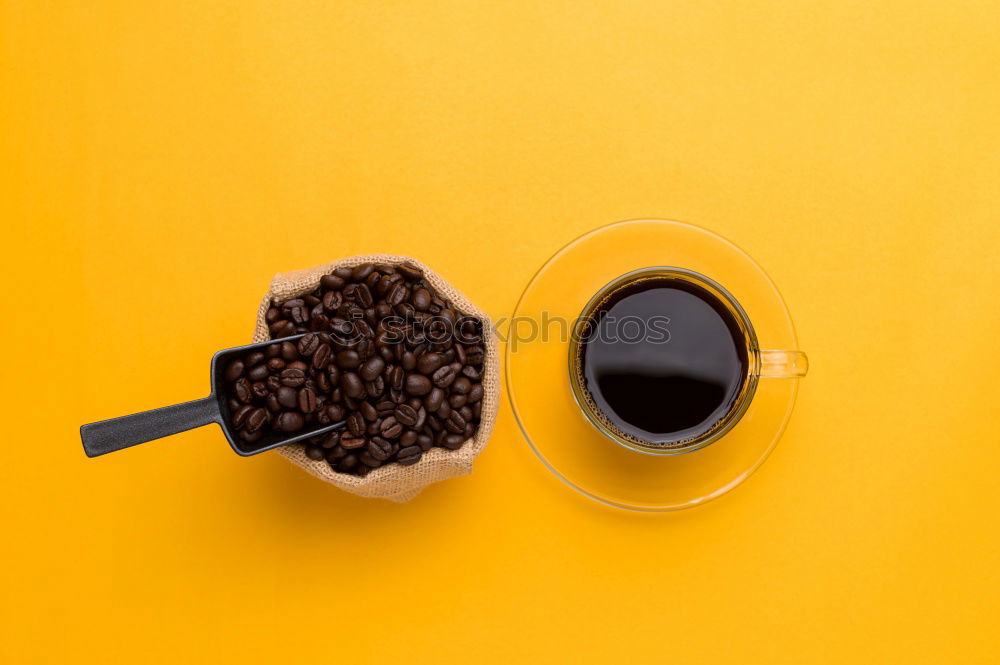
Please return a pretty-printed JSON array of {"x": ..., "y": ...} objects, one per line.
[
  {"x": 406, "y": 310},
  {"x": 410, "y": 271},
  {"x": 475, "y": 394},
  {"x": 234, "y": 370},
  {"x": 282, "y": 328},
  {"x": 347, "y": 463},
  {"x": 421, "y": 299},
  {"x": 363, "y": 296},
  {"x": 425, "y": 441},
  {"x": 444, "y": 376},
  {"x": 368, "y": 412},
  {"x": 456, "y": 400},
  {"x": 331, "y": 440},
  {"x": 418, "y": 384},
  {"x": 352, "y": 442},
  {"x": 348, "y": 359},
  {"x": 375, "y": 388},
  {"x": 409, "y": 455},
  {"x": 351, "y": 384},
  {"x": 321, "y": 357},
  {"x": 362, "y": 271},
  {"x": 407, "y": 438},
  {"x": 421, "y": 418},
  {"x": 322, "y": 382},
  {"x": 307, "y": 400},
  {"x": 397, "y": 295},
  {"x": 331, "y": 282},
  {"x": 408, "y": 361},
  {"x": 255, "y": 420},
  {"x": 335, "y": 412},
  {"x": 242, "y": 389},
  {"x": 452, "y": 441},
  {"x": 390, "y": 428},
  {"x": 429, "y": 363},
  {"x": 318, "y": 321},
  {"x": 474, "y": 355},
  {"x": 259, "y": 389},
  {"x": 240, "y": 415},
  {"x": 332, "y": 300},
  {"x": 293, "y": 376},
  {"x": 356, "y": 424},
  {"x": 372, "y": 369},
  {"x": 289, "y": 352},
  {"x": 455, "y": 423},
  {"x": 272, "y": 403},
  {"x": 250, "y": 437},
  {"x": 287, "y": 397},
  {"x": 470, "y": 330},
  {"x": 275, "y": 364},
  {"x": 434, "y": 399},
  {"x": 315, "y": 452},
  {"x": 472, "y": 373},
  {"x": 308, "y": 344},
  {"x": 461, "y": 385},
  {"x": 289, "y": 421},
  {"x": 406, "y": 415},
  {"x": 379, "y": 448}
]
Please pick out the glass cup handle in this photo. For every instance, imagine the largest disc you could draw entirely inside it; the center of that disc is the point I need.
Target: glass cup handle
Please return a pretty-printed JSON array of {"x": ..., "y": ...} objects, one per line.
[{"x": 783, "y": 364}]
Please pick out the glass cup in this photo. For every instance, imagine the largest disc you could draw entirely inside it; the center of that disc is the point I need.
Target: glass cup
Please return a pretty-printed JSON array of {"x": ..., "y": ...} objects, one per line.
[
  {"x": 762, "y": 363},
  {"x": 578, "y": 451}
]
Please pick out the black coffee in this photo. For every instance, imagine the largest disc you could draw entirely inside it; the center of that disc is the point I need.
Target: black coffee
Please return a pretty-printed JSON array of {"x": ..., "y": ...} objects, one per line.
[{"x": 663, "y": 360}]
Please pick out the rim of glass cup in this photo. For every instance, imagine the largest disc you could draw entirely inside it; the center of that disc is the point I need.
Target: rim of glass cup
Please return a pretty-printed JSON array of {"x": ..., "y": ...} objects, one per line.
[{"x": 747, "y": 389}]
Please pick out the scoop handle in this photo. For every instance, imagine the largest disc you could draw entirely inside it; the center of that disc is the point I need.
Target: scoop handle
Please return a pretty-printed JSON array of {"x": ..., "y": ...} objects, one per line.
[{"x": 108, "y": 436}]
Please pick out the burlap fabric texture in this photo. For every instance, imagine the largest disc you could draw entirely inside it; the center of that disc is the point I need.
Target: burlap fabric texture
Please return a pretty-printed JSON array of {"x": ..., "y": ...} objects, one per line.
[{"x": 395, "y": 482}]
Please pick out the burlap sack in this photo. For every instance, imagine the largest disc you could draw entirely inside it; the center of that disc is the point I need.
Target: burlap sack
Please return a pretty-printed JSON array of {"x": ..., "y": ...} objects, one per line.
[{"x": 395, "y": 482}]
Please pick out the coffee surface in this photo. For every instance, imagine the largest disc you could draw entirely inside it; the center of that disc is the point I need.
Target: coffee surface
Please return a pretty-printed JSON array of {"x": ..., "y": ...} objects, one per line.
[{"x": 663, "y": 360}]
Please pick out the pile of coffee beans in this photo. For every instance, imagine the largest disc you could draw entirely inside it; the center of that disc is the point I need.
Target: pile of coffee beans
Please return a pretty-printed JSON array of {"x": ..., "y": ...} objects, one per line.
[{"x": 385, "y": 353}]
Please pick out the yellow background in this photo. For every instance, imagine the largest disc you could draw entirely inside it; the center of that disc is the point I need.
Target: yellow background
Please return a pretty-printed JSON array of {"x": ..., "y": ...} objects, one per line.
[{"x": 161, "y": 160}]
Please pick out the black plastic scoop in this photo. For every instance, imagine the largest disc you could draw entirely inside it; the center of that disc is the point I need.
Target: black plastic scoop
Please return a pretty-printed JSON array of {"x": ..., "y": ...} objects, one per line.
[{"x": 108, "y": 436}]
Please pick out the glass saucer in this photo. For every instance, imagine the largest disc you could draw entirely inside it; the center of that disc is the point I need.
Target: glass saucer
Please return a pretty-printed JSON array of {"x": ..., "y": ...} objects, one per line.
[{"x": 537, "y": 368}]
